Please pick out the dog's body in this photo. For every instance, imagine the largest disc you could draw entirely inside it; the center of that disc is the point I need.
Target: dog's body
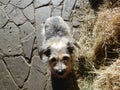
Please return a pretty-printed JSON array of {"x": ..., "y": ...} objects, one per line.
[{"x": 58, "y": 46}]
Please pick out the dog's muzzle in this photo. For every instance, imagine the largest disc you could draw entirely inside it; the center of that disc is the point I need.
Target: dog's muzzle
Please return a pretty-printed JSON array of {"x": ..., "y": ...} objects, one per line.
[{"x": 60, "y": 72}]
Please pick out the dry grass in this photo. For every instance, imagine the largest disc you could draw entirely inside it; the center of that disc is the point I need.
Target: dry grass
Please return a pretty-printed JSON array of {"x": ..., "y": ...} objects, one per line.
[
  {"x": 107, "y": 36},
  {"x": 110, "y": 4},
  {"x": 101, "y": 45},
  {"x": 108, "y": 79}
]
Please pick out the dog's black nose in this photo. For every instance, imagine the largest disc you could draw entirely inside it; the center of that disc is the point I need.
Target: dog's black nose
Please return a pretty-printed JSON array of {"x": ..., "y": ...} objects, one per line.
[{"x": 60, "y": 72}]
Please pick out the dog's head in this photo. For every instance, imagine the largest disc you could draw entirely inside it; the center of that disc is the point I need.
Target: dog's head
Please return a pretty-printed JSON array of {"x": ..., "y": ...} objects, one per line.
[{"x": 59, "y": 53}]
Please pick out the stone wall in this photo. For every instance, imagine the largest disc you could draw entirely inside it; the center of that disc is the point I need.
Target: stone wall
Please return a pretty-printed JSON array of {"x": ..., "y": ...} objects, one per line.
[{"x": 20, "y": 38}]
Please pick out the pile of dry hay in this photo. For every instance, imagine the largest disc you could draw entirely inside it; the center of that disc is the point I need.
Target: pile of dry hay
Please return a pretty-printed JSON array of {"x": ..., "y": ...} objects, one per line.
[
  {"x": 108, "y": 79},
  {"x": 105, "y": 49},
  {"x": 107, "y": 36}
]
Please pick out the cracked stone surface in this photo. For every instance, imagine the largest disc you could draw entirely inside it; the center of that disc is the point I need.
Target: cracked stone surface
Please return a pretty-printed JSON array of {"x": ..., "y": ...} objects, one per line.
[
  {"x": 29, "y": 13},
  {"x": 10, "y": 42},
  {"x": 21, "y": 3},
  {"x": 67, "y": 8},
  {"x": 6, "y": 81},
  {"x": 28, "y": 44},
  {"x": 39, "y": 3},
  {"x": 37, "y": 77},
  {"x": 18, "y": 68},
  {"x": 15, "y": 14},
  {"x": 76, "y": 34},
  {"x": 41, "y": 14},
  {"x": 57, "y": 11},
  {"x": 56, "y": 2},
  {"x": 4, "y": 1},
  {"x": 26, "y": 29},
  {"x": 76, "y": 22},
  {"x": 21, "y": 37},
  {"x": 3, "y": 17},
  {"x": 9, "y": 8}
]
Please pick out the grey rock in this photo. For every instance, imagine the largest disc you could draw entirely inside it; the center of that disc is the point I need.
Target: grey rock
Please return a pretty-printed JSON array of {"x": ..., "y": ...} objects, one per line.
[
  {"x": 49, "y": 84},
  {"x": 21, "y": 3},
  {"x": 28, "y": 44},
  {"x": 6, "y": 81},
  {"x": 26, "y": 29},
  {"x": 39, "y": 3},
  {"x": 4, "y": 1},
  {"x": 41, "y": 14},
  {"x": 17, "y": 16},
  {"x": 9, "y": 8},
  {"x": 39, "y": 65},
  {"x": 29, "y": 13},
  {"x": 1, "y": 4},
  {"x": 18, "y": 68},
  {"x": 9, "y": 40},
  {"x": 37, "y": 78},
  {"x": 56, "y": 2},
  {"x": 1, "y": 54},
  {"x": 76, "y": 34},
  {"x": 3, "y": 17},
  {"x": 57, "y": 11},
  {"x": 67, "y": 9},
  {"x": 75, "y": 22},
  {"x": 11, "y": 25}
]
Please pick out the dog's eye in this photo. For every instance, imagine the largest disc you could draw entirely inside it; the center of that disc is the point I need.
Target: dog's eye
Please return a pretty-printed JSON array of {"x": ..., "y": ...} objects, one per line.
[
  {"x": 53, "y": 60},
  {"x": 65, "y": 58}
]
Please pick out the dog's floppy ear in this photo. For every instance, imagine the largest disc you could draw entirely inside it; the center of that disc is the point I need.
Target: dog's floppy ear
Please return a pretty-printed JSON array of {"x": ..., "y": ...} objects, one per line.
[
  {"x": 71, "y": 47},
  {"x": 45, "y": 52}
]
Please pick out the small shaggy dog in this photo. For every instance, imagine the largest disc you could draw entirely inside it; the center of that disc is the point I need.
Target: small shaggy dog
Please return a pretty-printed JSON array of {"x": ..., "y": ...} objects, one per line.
[{"x": 58, "y": 47}]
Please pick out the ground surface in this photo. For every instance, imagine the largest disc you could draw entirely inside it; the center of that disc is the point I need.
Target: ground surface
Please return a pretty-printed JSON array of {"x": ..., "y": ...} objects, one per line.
[{"x": 20, "y": 38}]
